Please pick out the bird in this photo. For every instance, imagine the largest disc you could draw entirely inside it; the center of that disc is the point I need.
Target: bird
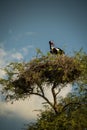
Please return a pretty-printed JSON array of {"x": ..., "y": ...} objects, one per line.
[{"x": 55, "y": 50}]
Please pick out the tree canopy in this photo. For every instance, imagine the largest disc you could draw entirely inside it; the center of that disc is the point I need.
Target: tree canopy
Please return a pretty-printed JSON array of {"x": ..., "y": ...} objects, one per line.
[
  {"x": 55, "y": 71},
  {"x": 25, "y": 79}
]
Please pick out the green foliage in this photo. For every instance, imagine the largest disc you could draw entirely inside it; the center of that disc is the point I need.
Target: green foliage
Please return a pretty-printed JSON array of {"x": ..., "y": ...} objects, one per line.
[
  {"x": 54, "y": 71},
  {"x": 13, "y": 72},
  {"x": 48, "y": 121},
  {"x": 72, "y": 117}
]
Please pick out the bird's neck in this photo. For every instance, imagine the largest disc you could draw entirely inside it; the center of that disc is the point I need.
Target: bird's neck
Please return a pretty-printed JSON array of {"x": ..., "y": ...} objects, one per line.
[{"x": 51, "y": 46}]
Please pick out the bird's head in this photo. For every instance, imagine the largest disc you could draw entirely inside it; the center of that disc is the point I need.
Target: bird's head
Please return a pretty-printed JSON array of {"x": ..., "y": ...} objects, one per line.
[{"x": 51, "y": 43}]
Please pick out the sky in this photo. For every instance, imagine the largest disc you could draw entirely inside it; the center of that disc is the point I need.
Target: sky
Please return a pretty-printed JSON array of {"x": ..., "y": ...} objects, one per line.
[{"x": 29, "y": 24}]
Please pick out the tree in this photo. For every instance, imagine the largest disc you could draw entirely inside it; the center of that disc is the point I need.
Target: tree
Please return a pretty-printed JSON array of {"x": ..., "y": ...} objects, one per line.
[
  {"x": 72, "y": 117},
  {"x": 26, "y": 79},
  {"x": 53, "y": 71},
  {"x": 73, "y": 107}
]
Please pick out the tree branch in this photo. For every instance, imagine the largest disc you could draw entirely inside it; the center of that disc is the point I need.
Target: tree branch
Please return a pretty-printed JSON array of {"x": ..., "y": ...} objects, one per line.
[
  {"x": 71, "y": 103},
  {"x": 54, "y": 98},
  {"x": 46, "y": 99},
  {"x": 58, "y": 92},
  {"x": 41, "y": 89}
]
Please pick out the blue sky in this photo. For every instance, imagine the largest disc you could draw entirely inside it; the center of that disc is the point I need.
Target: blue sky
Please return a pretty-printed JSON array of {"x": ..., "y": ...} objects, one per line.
[{"x": 29, "y": 24}]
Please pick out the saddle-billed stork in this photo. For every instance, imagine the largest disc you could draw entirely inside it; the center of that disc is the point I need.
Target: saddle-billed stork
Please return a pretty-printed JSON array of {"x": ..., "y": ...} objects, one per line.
[{"x": 55, "y": 50}]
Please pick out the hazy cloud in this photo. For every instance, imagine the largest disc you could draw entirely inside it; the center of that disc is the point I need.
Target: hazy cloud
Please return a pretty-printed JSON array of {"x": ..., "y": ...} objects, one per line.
[
  {"x": 17, "y": 56},
  {"x": 30, "y": 33},
  {"x": 9, "y": 56},
  {"x": 2, "y": 53},
  {"x": 2, "y": 73},
  {"x": 25, "y": 50},
  {"x": 18, "y": 37},
  {"x": 26, "y": 109}
]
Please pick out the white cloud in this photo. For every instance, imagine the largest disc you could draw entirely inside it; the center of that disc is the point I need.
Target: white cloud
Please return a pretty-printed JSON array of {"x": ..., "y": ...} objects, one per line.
[
  {"x": 2, "y": 53},
  {"x": 17, "y": 56},
  {"x": 25, "y": 50},
  {"x": 8, "y": 56},
  {"x": 24, "y": 109},
  {"x": 28, "y": 109},
  {"x": 2, "y": 73},
  {"x": 65, "y": 90},
  {"x": 2, "y": 61}
]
